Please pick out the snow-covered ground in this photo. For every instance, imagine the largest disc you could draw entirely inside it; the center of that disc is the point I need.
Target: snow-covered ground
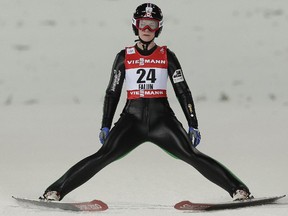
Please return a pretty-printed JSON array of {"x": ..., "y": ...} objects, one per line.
[{"x": 55, "y": 61}]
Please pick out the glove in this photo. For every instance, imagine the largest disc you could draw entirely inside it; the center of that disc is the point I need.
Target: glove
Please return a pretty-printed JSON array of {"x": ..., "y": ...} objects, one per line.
[
  {"x": 194, "y": 135},
  {"x": 103, "y": 135}
]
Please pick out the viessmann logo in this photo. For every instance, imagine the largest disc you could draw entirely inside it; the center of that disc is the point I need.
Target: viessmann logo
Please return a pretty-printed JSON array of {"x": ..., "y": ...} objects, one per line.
[{"x": 142, "y": 61}]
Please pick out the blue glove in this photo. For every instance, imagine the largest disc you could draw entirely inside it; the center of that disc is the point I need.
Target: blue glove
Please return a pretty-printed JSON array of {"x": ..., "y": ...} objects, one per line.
[
  {"x": 195, "y": 136},
  {"x": 103, "y": 135}
]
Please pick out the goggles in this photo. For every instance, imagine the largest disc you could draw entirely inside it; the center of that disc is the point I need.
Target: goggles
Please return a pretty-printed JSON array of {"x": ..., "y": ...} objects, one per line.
[{"x": 144, "y": 23}]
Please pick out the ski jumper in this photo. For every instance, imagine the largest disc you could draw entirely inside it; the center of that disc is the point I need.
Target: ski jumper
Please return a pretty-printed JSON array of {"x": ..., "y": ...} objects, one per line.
[{"x": 147, "y": 116}]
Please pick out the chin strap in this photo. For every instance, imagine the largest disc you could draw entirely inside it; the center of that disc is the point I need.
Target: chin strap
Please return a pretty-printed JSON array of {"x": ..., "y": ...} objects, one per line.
[{"x": 145, "y": 44}]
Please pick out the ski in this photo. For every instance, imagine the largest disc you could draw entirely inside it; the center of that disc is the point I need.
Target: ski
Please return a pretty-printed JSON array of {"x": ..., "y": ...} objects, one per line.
[
  {"x": 97, "y": 205},
  {"x": 187, "y": 205},
  {"x": 94, "y": 205}
]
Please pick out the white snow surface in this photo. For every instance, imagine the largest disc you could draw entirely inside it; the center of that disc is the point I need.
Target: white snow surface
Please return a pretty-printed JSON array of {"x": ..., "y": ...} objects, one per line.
[{"x": 55, "y": 62}]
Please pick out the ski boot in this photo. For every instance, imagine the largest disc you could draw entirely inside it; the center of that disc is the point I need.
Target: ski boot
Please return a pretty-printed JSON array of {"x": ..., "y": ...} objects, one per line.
[
  {"x": 241, "y": 195},
  {"x": 50, "y": 196}
]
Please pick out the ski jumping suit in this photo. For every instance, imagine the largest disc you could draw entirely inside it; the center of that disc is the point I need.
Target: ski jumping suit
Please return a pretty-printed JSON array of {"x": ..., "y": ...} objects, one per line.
[{"x": 147, "y": 116}]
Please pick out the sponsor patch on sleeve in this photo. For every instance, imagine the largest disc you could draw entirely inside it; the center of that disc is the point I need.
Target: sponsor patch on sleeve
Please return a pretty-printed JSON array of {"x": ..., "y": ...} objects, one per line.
[{"x": 178, "y": 76}]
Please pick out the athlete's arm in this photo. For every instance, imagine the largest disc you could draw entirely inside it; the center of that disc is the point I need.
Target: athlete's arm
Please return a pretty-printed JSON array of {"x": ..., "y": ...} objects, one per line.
[
  {"x": 181, "y": 89},
  {"x": 113, "y": 91}
]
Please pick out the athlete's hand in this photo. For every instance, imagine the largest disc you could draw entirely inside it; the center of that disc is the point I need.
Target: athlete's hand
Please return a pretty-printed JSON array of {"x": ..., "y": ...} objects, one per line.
[
  {"x": 103, "y": 135},
  {"x": 194, "y": 135}
]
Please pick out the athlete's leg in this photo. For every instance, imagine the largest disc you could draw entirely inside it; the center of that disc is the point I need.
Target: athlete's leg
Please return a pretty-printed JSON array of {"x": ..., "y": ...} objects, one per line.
[
  {"x": 171, "y": 136},
  {"x": 123, "y": 138}
]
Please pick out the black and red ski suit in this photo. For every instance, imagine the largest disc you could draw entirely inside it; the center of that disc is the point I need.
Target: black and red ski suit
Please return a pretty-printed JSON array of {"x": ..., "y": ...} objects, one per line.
[{"x": 147, "y": 119}]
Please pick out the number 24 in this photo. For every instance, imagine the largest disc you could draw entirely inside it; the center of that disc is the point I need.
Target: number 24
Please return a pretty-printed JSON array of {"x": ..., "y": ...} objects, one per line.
[{"x": 151, "y": 75}]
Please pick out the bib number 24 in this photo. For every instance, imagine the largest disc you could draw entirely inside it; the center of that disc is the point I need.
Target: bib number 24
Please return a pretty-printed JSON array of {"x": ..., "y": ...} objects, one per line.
[{"x": 146, "y": 76}]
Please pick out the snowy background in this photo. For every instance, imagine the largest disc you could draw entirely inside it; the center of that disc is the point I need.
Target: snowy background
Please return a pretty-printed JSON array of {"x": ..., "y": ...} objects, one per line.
[{"x": 55, "y": 62}]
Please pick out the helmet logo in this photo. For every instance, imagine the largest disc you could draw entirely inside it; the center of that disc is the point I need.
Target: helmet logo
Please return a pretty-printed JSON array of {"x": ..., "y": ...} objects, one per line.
[{"x": 149, "y": 12}]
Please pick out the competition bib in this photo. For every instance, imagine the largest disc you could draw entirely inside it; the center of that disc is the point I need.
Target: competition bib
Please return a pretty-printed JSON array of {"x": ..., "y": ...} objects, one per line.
[{"x": 146, "y": 76}]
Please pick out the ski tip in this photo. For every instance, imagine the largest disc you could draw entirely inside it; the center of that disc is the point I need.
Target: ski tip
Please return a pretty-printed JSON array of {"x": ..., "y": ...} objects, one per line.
[
  {"x": 186, "y": 205},
  {"x": 282, "y": 196},
  {"x": 15, "y": 197},
  {"x": 103, "y": 205}
]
